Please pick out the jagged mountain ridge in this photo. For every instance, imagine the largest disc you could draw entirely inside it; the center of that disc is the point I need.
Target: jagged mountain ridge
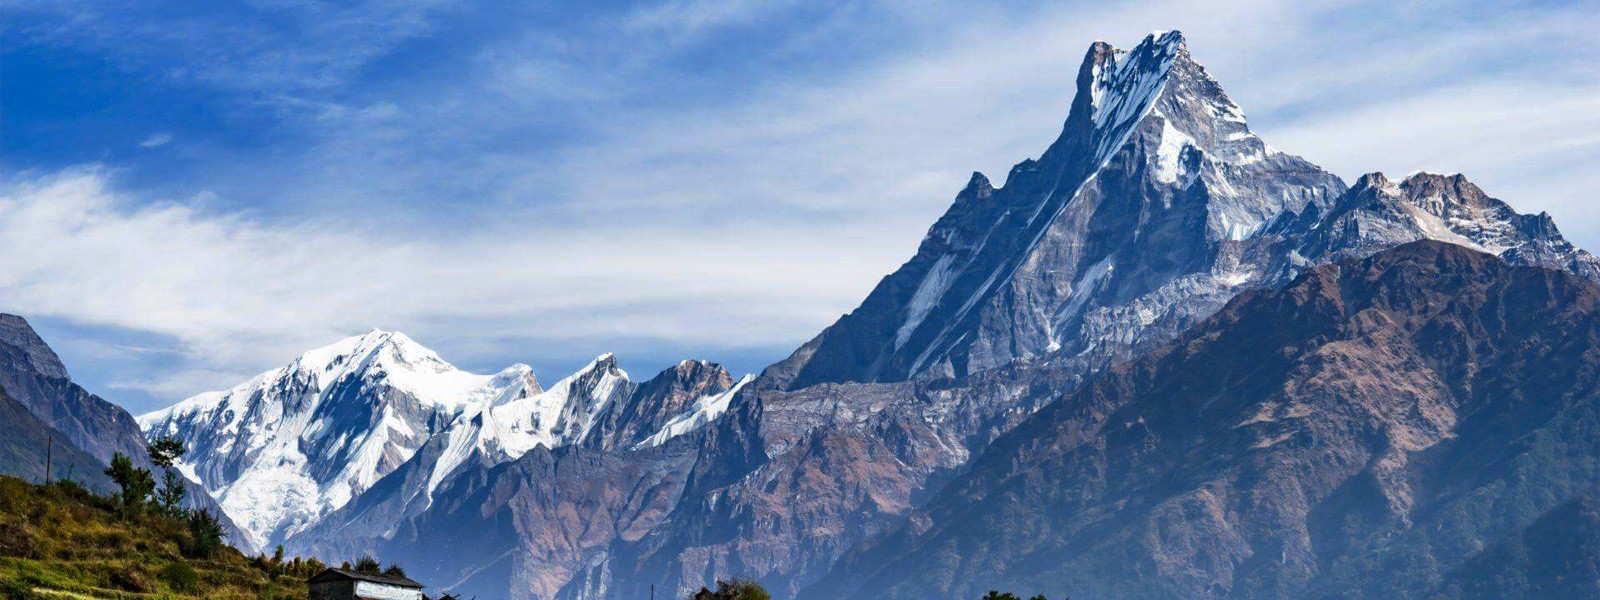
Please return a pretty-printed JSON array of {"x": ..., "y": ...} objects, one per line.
[
  {"x": 82, "y": 429},
  {"x": 1154, "y": 176},
  {"x": 32, "y": 374},
  {"x": 542, "y": 517},
  {"x": 289, "y": 447},
  {"x": 1377, "y": 213},
  {"x": 1148, "y": 213}
]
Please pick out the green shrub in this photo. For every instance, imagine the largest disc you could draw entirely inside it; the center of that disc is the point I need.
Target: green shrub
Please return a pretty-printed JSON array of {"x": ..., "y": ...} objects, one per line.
[
  {"x": 741, "y": 589},
  {"x": 136, "y": 484},
  {"x": 205, "y": 535},
  {"x": 131, "y": 579},
  {"x": 180, "y": 577},
  {"x": 11, "y": 588},
  {"x": 16, "y": 540},
  {"x": 366, "y": 564}
]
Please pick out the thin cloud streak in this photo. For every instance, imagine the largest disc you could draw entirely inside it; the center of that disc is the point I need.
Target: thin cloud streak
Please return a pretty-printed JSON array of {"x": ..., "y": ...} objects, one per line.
[
  {"x": 156, "y": 140},
  {"x": 234, "y": 291}
]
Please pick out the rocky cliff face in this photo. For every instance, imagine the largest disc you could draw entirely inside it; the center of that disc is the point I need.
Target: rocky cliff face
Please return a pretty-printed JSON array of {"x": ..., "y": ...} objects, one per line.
[
  {"x": 81, "y": 424},
  {"x": 32, "y": 374},
  {"x": 1365, "y": 432},
  {"x": 29, "y": 442}
]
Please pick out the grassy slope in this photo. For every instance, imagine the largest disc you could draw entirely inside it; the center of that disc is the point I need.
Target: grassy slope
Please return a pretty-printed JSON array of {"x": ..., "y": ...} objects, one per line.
[{"x": 60, "y": 541}]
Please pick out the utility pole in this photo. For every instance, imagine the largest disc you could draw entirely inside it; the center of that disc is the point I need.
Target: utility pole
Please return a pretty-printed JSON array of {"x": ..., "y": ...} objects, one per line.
[
  {"x": 49, "y": 446},
  {"x": 652, "y": 591}
]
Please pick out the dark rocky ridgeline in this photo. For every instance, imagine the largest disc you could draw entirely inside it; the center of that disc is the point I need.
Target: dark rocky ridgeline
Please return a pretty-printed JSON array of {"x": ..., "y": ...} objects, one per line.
[
  {"x": 659, "y": 399},
  {"x": 32, "y": 374},
  {"x": 1420, "y": 423},
  {"x": 81, "y": 423},
  {"x": 28, "y": 441}
]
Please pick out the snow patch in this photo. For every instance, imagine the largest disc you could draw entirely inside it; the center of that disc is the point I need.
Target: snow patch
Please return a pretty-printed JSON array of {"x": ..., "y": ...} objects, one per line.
[
  {"x": 927, "y": 296},
  {"x": 1169, "y": 153},
  {"x": 705, "y": 410}
]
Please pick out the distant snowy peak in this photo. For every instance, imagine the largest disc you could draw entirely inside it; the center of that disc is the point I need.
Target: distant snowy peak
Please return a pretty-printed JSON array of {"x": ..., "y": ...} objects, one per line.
[
  {"x": 505, "y": 429},
  {"x": 1378, "y": 212},
  {"x": 298, "y": 441},
  {"x": 597, "y": 407},
  {"x": 704, "y": 410},
  {"x": 671, "y": 396},
  {"x": 293, "y": 444},
  {"x": 378, "y": 356},
  {"x": 557, "y": 417}
]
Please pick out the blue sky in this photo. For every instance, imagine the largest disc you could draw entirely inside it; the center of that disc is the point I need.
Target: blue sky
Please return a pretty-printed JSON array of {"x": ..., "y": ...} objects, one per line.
[{"x": 191, "y": 193}]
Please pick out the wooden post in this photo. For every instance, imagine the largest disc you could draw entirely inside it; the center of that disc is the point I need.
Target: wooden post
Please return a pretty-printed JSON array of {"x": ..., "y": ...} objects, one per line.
[
  {"x": 652, "y": 591},
  {"x": 49, "y": 446}
]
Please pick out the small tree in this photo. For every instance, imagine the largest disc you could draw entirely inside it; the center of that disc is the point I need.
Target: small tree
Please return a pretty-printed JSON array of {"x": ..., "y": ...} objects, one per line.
[
  {"x": 997, "y": 595},
  {"x": 367, "y": 564},
  {"x": 136, "y": 484},
  {"x": 395, "y": 571},
  {"x": 165, "y": 450},
  {"x": 742, "y": 589},
  {"x": 205, "y": 534},
  {"x": 169, "y": 500}
]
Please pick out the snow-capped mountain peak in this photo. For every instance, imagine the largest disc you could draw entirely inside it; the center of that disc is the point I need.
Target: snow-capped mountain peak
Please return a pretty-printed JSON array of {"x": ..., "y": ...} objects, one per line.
[
  {"x": 1378, "y": 212},
  {"x": 1123, "y": 85},
  {"x": 1133, "y": 208},
  {"x": 557, "y": 417},
  {"x": 298, "y": 441}
]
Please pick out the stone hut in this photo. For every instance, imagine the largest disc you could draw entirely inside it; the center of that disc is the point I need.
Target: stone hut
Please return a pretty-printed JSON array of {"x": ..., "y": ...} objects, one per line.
[{"x": 344, "y": 584}]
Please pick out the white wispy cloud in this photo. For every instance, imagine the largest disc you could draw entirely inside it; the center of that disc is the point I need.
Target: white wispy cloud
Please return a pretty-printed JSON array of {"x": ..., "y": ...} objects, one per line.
[
  {"x": 749, "y": 216},
  {"x": 239, "y": 293},
  {"x": 156, "y": 140}
]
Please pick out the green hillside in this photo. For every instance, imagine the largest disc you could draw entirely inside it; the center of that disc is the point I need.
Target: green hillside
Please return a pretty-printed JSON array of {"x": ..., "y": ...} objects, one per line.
[{"x": 63, "y": 541}]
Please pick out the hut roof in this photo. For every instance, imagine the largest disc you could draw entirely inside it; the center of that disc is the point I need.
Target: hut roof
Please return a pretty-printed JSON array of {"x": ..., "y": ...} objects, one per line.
[{"x": 334, "y": 574}]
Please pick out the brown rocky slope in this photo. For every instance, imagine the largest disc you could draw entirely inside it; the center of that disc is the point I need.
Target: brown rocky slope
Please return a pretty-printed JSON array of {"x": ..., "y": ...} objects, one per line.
[{"x": 1365, "y": 432}]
